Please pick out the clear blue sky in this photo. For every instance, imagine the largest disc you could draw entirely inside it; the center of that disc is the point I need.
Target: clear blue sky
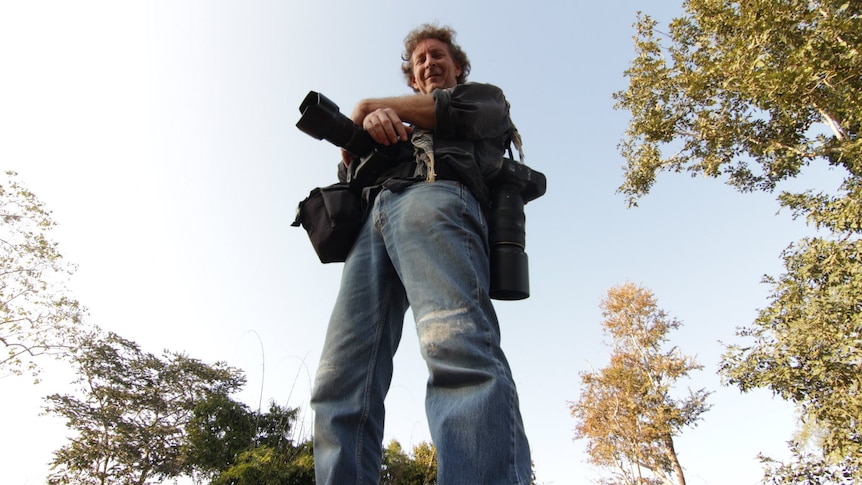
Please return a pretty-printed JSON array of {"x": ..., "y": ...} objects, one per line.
[{"x": 162, "y": 136}]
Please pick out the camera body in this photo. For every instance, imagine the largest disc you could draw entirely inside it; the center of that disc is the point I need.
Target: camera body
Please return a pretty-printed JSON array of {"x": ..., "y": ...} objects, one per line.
[{"x": 512, "y": 186}]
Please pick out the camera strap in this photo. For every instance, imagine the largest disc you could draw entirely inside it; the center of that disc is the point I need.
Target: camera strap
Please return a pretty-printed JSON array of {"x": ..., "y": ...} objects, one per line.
[{"x": 515, "y": 139}]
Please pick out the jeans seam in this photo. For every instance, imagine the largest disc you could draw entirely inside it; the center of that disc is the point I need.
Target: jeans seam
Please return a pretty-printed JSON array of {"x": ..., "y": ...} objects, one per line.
[
  {"x": 373, "y": 361},
  {"x": 366, "y": 401}
]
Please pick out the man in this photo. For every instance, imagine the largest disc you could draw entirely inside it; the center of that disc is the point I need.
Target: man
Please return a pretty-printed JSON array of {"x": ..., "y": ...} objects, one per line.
[{"x": 424, "y": 246}]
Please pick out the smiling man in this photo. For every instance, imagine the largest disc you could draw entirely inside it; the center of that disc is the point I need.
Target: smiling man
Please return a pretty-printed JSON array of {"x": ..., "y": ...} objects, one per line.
[{"x": 424, "y": 246}]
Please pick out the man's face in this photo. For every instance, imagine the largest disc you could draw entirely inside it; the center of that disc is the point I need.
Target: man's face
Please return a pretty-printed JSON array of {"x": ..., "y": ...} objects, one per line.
[{"x": 433, "y": 67}]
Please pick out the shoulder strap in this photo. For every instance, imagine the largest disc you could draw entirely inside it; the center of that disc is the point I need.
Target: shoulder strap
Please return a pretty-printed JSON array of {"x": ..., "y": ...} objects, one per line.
[{"x": 515, "y": 139}]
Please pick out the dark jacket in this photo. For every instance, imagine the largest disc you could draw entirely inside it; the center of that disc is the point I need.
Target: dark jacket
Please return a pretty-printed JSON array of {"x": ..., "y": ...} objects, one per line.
[{"x": 472, "y": 133}]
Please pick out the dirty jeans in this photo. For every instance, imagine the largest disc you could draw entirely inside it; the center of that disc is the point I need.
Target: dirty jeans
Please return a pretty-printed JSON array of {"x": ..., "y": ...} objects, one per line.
[{"x": 425, "y": 248}]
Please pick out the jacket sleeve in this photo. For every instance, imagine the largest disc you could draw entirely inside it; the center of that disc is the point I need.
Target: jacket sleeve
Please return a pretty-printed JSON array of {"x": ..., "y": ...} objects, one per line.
[{"x": 471, "y": 111}]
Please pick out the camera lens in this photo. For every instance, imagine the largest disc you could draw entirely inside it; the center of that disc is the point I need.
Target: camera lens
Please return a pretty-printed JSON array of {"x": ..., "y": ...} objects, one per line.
[
  {"x": 322, "y": 120},
  {"x": 510, "y": 278}
]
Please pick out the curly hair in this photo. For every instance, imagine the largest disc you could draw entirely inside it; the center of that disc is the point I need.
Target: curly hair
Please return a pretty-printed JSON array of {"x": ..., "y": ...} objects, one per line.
[{"x": 431, "y": 31}]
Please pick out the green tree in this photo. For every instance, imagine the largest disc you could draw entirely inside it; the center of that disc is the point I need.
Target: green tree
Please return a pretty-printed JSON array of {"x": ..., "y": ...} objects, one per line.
[
  {"x": 264, "y": 465},
  {"x": 809, "y": 469},
  {"x": 219, "y": 430},
  {"x": 806, "y": 348},
  {"x": 275, "y": 428},
  {"x": 129, "y": 419},
  {"x": 626, "y": 410},
  {"x": 229, "y": 443},
  {"x": 741, "y": 92},
  {"x": 416, "y": 468},
  {"x": 755, "y": 91},
  {"x": 37, "y": 315}
]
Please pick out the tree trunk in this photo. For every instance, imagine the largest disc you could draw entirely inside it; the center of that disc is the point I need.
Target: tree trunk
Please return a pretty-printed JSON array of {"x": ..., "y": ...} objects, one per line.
[{"x": 677, "y": 468}]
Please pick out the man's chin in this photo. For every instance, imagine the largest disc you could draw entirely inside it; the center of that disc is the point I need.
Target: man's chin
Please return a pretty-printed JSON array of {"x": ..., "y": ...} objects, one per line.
[{"x": 431, "y": 86}]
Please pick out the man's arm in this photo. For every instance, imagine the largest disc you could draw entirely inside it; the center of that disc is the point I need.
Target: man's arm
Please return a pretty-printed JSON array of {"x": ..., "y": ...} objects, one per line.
[{"x": 384, "y": 118}]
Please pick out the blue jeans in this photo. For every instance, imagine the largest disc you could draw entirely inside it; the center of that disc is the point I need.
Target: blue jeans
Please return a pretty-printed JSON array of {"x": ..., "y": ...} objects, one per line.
[{"x": 424, "y": 247}]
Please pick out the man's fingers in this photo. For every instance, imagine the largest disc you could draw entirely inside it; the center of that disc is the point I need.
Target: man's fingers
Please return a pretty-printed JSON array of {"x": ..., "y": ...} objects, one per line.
[{"x": 385, "y": 127}]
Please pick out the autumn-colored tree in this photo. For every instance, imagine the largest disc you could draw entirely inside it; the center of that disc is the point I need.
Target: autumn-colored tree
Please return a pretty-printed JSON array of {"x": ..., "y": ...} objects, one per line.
[
  {"x": 756, "y": 91},
  {"x": 626, "y": 410},
  {"x": 37, "y": 314}
]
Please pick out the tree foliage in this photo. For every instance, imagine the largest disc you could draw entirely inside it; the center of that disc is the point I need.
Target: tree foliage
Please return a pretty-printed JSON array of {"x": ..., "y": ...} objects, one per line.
[
  {"x": 755, "y": 91},
  {"x": 627, "y": 411},
  {"x": 808, "y": 468},
  {"x": 230, "y": 444},
  {"x": 263, "y": 465},
  {"x": 219, "y": 430},
  {"x": 806, "y": 346},
  {"x": 37, "y": 315},
  {"x": 129, "y": 419},
  {"x": 751, "y": 90},
  {"x": 416, "y": 468}
]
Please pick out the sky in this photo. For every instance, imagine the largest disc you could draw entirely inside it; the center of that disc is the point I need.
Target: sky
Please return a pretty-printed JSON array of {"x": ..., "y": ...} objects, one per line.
[{"x": 162, "y": 137}]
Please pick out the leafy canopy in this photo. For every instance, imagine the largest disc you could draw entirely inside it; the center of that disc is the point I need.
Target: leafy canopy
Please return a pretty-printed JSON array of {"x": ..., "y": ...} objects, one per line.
[
  {"x": 130, "y": 414},
  {"x": 753, "y": 90},
  {"x": 37, "y": 315}
]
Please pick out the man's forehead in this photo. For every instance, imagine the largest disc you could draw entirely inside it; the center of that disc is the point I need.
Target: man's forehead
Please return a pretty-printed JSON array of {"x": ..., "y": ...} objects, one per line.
[{"x": 430, "y": 44}]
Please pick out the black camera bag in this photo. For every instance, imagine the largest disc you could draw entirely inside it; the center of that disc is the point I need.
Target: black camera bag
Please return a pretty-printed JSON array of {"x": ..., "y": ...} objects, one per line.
[{"x": 332, "y": 217}]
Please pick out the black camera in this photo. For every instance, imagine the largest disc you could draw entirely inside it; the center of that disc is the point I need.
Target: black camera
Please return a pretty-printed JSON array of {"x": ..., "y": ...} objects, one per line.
[
  {"x": 322, "y": 119},
  {"x": 514, "y": 185}
]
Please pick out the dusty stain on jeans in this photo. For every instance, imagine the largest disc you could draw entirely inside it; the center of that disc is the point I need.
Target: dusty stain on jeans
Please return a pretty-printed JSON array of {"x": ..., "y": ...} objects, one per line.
[{"x": 438, "y": 327}]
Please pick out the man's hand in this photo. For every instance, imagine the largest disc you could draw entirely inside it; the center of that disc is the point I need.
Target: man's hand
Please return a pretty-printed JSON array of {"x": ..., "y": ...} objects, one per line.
[
  {"x": 384, "y": 118},
  {"x": 385, "y": 127}
]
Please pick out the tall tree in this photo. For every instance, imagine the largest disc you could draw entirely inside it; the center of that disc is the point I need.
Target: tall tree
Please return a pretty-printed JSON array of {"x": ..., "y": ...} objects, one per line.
[
  {"x": 626, "y": 410},
  {"x": 37, "y": 315},
  {"x": 129, "y": 419},
  {"x": 755, "y": 91}
]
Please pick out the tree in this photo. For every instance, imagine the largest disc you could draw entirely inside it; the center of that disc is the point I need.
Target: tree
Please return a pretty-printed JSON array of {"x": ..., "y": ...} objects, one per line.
[
  {"x": 808, "y": 469},
  {"x": 263, "y": 465},
  {"x": 219, "y": 430},
  {"x": 416, "y": 468},
  {"x": 746, "y": 81},
  {"x": 806, "y": 348},
  {"x": 130, "y": 418},
  {"x": 756, "y": 91},
  {"x": 626, "y": 410},
  {"x": 37, "y": 316},
  {"x": 230, "y": 444},
  {"x": 275, "y": 428}
]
